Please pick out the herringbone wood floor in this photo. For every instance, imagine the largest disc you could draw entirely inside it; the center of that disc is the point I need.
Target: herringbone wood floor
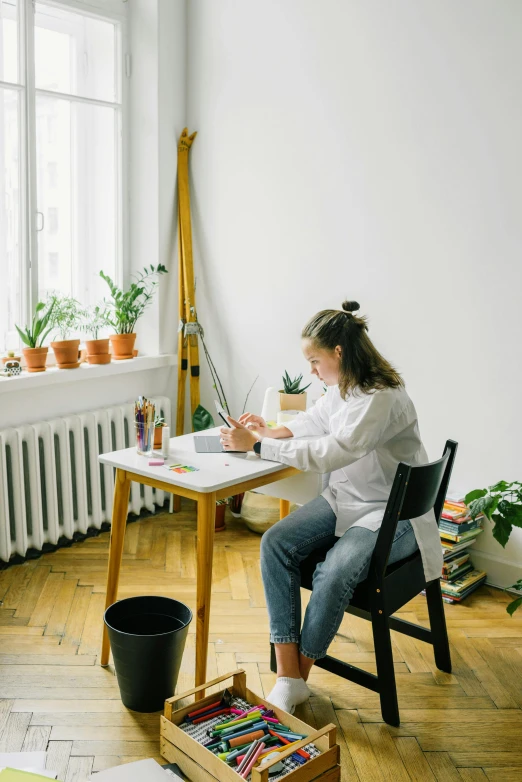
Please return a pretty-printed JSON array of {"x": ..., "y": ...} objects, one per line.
[{"x": 463, "y": 726}]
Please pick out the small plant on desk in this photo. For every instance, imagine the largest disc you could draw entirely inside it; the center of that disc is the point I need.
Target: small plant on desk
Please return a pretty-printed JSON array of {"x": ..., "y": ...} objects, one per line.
[{"x": 293, "y": 397}]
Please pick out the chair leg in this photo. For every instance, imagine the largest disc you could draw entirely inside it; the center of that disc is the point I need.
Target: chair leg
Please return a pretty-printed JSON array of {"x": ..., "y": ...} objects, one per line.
[
  {"x": 385, "y": 670},
  {"x": 273, "y": 663},
  {"x": 439, "y": 632}
]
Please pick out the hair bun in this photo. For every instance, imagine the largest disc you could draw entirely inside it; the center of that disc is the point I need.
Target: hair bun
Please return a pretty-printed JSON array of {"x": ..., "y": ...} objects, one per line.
[{"x": 350, "y": 306}]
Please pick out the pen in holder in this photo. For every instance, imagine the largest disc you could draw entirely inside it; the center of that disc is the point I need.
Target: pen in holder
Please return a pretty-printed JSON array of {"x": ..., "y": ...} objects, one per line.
[{"x": 144, "y": 412}]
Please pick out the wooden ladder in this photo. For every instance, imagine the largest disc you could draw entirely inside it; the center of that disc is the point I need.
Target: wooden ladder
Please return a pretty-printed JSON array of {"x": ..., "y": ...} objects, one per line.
[{"x": 189, "y": 329}]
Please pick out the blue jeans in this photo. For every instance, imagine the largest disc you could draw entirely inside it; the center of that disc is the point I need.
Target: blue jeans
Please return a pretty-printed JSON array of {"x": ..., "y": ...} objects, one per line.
[{"x": 288, "y": 543}]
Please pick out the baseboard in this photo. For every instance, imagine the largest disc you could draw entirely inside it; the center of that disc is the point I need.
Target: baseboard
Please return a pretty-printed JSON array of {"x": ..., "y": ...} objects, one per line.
[{"x": 501, "y": 572}]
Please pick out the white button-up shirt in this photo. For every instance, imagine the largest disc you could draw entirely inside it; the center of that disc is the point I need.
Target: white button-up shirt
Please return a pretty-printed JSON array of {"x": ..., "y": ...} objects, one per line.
[{"x": 358, "y": 443}]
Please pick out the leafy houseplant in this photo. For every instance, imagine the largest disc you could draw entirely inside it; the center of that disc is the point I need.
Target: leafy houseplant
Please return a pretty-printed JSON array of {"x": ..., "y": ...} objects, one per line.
[
  {"x": 502, "y": 504},
  {"x": 97, "y": 349},
  {"x": 292, "y": 396},
  {"x": 66, "y": 318},
  {"x": 34, "y": 335},
  {"x": 126, "y": 307}
]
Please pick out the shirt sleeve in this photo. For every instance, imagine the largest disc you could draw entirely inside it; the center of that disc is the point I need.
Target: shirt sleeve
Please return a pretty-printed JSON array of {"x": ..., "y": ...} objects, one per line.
[
  {"x": 312, "y": 423},
  {"x": 366, "y": 426}
]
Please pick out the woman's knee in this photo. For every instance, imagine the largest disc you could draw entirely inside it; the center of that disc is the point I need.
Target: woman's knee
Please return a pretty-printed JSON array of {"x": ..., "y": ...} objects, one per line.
[
  {"x": 341, "y": 570},
  {"x": 272, "y": 541}
]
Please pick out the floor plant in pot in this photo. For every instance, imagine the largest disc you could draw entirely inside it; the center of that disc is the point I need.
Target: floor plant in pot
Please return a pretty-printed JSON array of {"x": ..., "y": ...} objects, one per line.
[
  {"x": 126, "y": 307},
  {"x": 221, "y": 506},
  {"x": 502, "y": 505},
  {"x": 33, "y": 337},
  {"x": 95, "y": 320},
  {"x": 66, "y": 318}
]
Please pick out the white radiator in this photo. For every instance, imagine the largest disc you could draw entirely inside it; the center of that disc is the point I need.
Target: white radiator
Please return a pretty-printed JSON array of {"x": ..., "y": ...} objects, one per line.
[{"x": 51, "y": 483}]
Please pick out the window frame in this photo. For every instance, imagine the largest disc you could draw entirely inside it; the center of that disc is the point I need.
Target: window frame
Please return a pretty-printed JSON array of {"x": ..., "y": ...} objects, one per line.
[{"x": 108, "y": 10}]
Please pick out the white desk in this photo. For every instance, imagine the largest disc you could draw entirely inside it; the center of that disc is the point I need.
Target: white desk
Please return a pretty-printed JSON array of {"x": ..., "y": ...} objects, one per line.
[{"x": 220, "y": 475}]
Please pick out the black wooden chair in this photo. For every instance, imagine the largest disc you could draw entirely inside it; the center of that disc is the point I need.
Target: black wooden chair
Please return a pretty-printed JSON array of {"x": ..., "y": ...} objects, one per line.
[{"x": 415, "y": 491}]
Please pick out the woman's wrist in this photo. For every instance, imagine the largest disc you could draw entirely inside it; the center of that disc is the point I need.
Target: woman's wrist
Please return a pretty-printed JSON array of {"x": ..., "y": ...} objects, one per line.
[{"x": 280, "y": 433}]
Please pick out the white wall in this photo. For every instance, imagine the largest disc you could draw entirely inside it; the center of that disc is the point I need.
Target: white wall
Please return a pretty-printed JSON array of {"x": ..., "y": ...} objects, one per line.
[
  {"x": 367, "y": 150},
  {"x": 157, "y": 114}
]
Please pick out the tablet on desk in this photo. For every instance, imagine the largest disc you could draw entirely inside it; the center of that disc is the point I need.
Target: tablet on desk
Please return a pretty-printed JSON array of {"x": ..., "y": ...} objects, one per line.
[{"x": 212, "y": 443}]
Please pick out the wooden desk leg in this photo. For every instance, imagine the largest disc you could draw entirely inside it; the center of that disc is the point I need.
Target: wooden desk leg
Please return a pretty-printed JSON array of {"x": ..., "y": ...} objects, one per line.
[
  {"x": 284, "y": 508},
  {"x": 177, "y": 503},
  {"x": 120, "y": 509},
  {"x": 205, "y": 553}
]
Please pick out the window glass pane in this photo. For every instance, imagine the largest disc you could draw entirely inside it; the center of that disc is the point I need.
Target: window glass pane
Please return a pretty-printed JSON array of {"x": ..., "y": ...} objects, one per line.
[
  {"x": 10, "y": 231},
  {"x": 78, "y": 202},
  {"x": 9, "y": 40},
  {"x": 75, "y": 54}
]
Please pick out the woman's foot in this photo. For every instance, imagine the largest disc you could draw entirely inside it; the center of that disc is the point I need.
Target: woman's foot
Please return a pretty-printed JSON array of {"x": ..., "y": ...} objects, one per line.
[{"x": 289, "y": 693}]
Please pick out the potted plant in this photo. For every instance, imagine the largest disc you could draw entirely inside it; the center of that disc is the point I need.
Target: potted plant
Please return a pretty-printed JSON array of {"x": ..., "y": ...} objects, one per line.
[
  {"x": 97, "y": 349},
  {"x": 221, "y": 506},
  {"x": 502, "y": 505},
  {"x": 66, "y": 318},
  {"x": 293, "y": 397},
  {"x": 34, "y": 335},
  {"x": 126, "y": 307},
  {"x": 11, "y": 356},
  {"x": 159, "y": 423}
]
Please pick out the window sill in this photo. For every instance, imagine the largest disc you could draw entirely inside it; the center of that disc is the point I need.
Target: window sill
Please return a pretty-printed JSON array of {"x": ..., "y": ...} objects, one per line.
[{"x": 53, "y": 375}]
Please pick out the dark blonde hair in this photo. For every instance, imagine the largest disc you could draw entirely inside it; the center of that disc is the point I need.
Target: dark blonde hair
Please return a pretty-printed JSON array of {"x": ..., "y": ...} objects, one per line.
[{"x": 362, "y": 366}]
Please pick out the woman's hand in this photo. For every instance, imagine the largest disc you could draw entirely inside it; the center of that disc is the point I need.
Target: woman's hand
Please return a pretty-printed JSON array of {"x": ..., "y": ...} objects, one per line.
[
  {"x": 238, "y": 439},
  {"x": 252, "y": 421},
  {"x": 256, "y": 424}
]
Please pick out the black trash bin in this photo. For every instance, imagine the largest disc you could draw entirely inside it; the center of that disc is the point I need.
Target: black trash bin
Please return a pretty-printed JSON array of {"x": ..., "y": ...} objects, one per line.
[{"x": 147, "y": 636}]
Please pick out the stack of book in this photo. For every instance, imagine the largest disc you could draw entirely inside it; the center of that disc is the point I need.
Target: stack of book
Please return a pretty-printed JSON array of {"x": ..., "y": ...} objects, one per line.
[{"x": 458, "y": 531}]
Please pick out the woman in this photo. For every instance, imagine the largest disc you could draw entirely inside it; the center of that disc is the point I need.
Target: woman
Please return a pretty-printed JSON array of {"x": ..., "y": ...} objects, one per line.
[{"x": 362, "y": 428}]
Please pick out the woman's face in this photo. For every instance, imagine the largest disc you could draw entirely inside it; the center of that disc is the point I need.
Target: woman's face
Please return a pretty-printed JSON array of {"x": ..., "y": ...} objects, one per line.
[{"x": 323, "y": 363}]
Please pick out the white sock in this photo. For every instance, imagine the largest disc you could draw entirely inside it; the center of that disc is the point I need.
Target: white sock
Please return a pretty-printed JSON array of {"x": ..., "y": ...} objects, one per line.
[{"x": 289, "y": 693}]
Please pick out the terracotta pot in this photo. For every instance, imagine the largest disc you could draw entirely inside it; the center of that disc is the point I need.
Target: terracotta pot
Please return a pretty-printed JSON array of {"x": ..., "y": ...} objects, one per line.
[
  {"x": 35, "y": 359},
  {"x": 122, "y": 346},
  {"x": 67, "y": 353},
  {"x": 219, "y": 526},
  {"x": 235, "y": 505},
  {"x": 98, "y": 351},
  {"x": 5, "y": 359},
  {"x": 292, "y": 401},
  {"x": 158, "y": 433}
]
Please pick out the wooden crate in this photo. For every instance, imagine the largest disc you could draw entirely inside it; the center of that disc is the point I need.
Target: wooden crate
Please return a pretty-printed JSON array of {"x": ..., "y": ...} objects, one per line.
[{"x": 201, "y": 765}]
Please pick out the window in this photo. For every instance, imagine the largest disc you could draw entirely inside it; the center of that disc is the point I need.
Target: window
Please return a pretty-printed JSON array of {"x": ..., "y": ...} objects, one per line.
[{"x": 61, "y": 118}]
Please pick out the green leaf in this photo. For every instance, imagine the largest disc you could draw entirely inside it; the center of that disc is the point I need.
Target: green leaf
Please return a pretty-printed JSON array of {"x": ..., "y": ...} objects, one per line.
[
  {"x": 511, "y": 511},
  {"x": 502, "y": 529},
  {"x": 486, "y": 505},
  {"x": 23, "y": 337},
  {"x": 512, "y": 607},
  {"x": 202, "y": 419},
  {"x": 474, "y": 495},
  {"x": 500, "y": 486}
]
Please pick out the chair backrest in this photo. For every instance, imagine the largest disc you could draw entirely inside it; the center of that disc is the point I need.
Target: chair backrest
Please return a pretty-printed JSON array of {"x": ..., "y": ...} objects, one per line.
[{"x": 415, "y": 491}]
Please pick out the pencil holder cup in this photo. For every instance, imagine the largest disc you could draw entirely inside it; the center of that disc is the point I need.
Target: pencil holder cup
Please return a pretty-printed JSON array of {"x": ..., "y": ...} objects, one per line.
[{"x": 144, "y": 437}]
